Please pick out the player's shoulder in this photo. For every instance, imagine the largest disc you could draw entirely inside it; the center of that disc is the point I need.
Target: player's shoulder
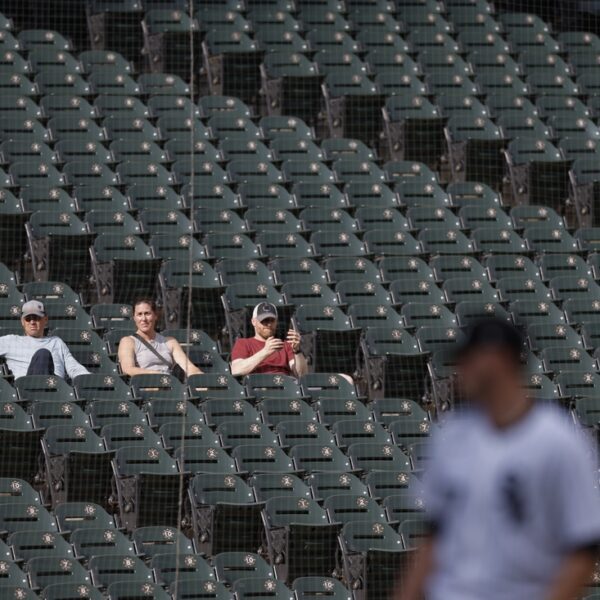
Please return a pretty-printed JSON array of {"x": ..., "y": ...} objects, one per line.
[
  {"x": 551, "y": 423},
  {"x": 459, "y": 426}
]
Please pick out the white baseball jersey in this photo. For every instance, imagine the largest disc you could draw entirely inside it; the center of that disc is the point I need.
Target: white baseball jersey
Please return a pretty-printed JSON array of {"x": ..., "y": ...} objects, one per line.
[{"x": 508, "y": 505}]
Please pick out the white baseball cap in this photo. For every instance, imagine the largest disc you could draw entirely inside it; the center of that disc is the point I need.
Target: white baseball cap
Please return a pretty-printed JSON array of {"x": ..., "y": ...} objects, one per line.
[
  {"x": 33, "y": 307},
  {"x": 264, "y": 310}
]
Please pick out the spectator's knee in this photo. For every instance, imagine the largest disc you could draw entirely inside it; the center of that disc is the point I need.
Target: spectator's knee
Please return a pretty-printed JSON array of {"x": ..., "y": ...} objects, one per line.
[
  {"x": 347, "y": 378},
  {"x": 41, "y": 363}
]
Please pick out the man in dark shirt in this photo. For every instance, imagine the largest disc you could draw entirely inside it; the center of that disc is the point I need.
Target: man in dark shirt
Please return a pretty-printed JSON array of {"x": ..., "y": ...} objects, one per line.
[{"x": 264, "y": 353}]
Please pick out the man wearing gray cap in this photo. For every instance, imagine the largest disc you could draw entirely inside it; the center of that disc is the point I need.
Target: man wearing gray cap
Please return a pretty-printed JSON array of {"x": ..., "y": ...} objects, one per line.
[
  {"x": 264, "y": 353},
  {"x": 34, "y": 353}
]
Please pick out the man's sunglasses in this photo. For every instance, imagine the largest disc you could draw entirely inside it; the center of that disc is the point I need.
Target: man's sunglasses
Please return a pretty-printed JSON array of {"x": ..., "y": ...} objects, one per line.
[{"x": 30, "y": 318}]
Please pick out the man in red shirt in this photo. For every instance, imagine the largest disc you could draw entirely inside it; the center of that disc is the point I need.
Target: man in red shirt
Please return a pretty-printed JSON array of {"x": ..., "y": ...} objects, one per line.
[{"x": 264, "y": 353}]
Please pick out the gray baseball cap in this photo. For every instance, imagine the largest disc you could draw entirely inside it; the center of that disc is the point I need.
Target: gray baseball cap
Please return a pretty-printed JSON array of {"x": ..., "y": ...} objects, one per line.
[
  {"x": 264, "y": 310},
  {"x": 33, "y": 307}
]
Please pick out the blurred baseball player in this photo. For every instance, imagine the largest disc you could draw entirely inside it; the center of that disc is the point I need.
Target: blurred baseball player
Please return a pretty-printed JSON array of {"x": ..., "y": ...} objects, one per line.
[{"x": 513, "y": 509}]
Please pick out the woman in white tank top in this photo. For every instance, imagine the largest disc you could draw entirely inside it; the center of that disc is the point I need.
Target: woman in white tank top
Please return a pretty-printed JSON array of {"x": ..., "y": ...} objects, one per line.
[{"x": 148, "y": 351}]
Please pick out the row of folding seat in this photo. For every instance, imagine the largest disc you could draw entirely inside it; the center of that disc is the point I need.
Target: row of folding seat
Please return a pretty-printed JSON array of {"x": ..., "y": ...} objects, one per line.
[{"x": 98, "y": 554}]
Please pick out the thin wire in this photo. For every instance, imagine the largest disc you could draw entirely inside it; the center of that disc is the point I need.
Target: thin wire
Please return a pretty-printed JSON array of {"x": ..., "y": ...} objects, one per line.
[{"x": 188, "y": 310}]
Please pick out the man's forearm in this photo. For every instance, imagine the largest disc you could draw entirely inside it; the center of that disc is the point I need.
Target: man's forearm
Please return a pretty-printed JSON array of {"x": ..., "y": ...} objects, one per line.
[
  {"x": 575, "y": 573},
  {"x": 245, "y": 366},
  {"x": 300, "y": 365},
  {"x": 412, "y": 587}
]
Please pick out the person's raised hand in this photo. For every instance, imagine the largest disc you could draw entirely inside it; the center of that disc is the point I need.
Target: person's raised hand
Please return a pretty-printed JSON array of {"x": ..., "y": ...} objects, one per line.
[
  {"x": 272, "y": 345},
  {"x": 293, "y": 338}
]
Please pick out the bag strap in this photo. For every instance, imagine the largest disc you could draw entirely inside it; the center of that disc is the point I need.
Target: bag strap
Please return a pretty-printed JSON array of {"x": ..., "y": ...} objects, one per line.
[{"x": 153, "y": 350}]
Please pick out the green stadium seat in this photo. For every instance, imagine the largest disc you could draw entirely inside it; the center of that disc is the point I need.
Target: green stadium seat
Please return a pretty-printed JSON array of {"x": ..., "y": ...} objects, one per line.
[
  {"x": 124, "y": 267},
  {"x": 177, "y": 248},
  {"x": 225, "y": 515},
  {"x": 565, "y": 287},
  {"x": 330, "y": 338},
  {"x": 542, "y": 336},
  {"x": 536, "y": 310},
  {"x": 420, "y": 314},
  {"x": 372, "y": 555},
  {"x": 497, "y": 240},
  {"x": 445, "y": 267},
  {"x": 374, "y": 315},
  {"x": 466, "y": 289},
  {"x": 323, "y": 195},
  {"x": 333, "y": 409},
  {"x": 443, "y": 240},
  {"x": 342, "y": 268},
  {"x": 233, "y": 566},
  {"x": 298, "y": 431},
  {"x": 523, "y": 288},
  {"x": 291, "y": 83},
  {"x": 206, "y": 459},
  {"x": 111, "y": 316},
  {"x": 169, "y": 568},
  {"x": 90, "y": 197},
  {"x": 48, "y": 570},
  {"x": 394, "y": 363},
  {"x": 416, "y": 289},
  {"x": 273, "y": 219},
  {"x": 17, "y": 85},
  {"x": 196, "y": 589},
  {"x": 354, "y": 431},
  {"x": 23, "y": 516},
  {"x": 586, "y": 410},
  {"x": 228, "y": 407},
  {"x": 271, "y": 485},
  {"x": 16, "y": 490},
  {"x": 236, "y": 433},
  {"x": 48, "y": 413},
  {"x": 275, "y": 410},
  {"x": 470, "y": 312},
  {"x": 588, "y": 238},
  {"x": 251, "y": 272},
  {"x": 107, "y": 569},
  {"x": 474, "y": 146},
  {"x": 20, "y": 152},
  {"x": 147, "y": 482},
  {"x": 266, "y": 195},
  {"x": 546, "y": 239},
  {"x": 392, "y": 243},
  {"x": 396, "y": 267},
  {"x": 559, "y": 360},
  {"x": 121, "y": 590},
  {"x": 58, "y": 81},
  {"x": 353, "y": 104},
  {"x": 434, "y": 338},
  {"x": 417, "y": 194},
  {"x": 346, "y": 508},
  {"x": 33, "y": 544},
  {"x": 16, "y": 418},
  {"x": 262, "y": 458},
  {"x": 309, "y": 588},
  {"x": 77, "y": 464},
  {"x": 109, "y": 103},
  {"x": 176, "y": 126},
  {"x": 422, "y": 218},
  {"x": 459, "y": 105},
  {"x": 210, "y": 105},
  {"x": 522, "y": 40}
]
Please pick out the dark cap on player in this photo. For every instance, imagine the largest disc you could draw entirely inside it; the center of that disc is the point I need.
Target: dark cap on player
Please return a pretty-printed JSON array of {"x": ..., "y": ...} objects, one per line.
[{"x": 493, "y": 334}]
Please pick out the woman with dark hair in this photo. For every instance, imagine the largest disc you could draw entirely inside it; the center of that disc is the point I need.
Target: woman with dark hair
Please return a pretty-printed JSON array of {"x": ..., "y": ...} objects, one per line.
[{"x": 147, "y": 351}]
